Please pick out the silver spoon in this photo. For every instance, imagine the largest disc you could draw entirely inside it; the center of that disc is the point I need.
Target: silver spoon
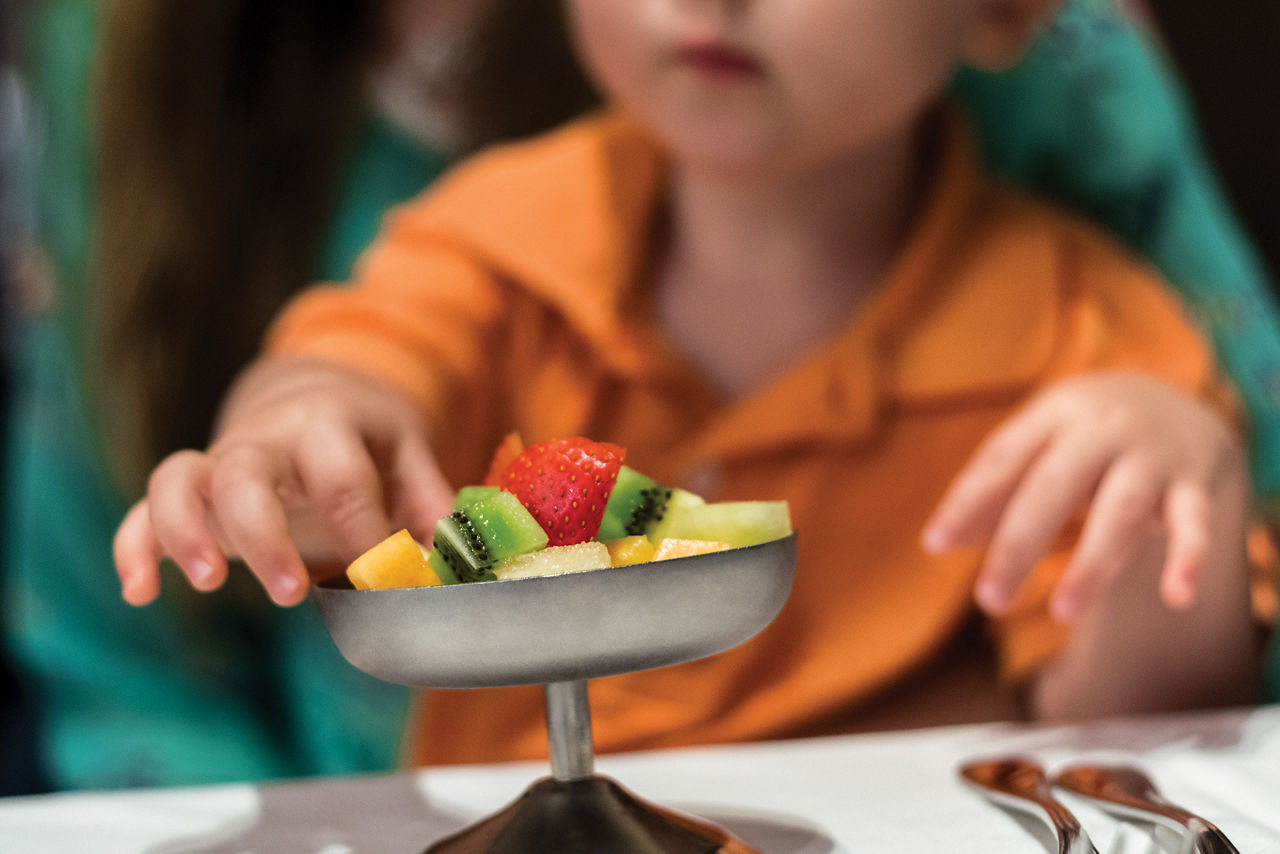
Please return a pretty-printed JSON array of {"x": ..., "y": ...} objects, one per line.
[
  {"x": 1019, "y": 783},
  {"x": 1128, "y": 793}
]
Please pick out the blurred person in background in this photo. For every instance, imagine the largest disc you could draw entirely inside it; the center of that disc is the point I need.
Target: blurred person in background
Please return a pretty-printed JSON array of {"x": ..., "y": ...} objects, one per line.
[
  {"x": 18, "y": 769},
  {"x": 200, "y": 161}
]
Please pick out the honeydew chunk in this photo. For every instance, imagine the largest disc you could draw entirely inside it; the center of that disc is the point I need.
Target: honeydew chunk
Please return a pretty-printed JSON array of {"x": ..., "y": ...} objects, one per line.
[
  {"x": 626, "y": 551},
  {"x": 738, "y": 523},
  {"x": 397, "y": 561},
  {"x": 555, "y": 560},
  {"x": 673, "y": 547}
]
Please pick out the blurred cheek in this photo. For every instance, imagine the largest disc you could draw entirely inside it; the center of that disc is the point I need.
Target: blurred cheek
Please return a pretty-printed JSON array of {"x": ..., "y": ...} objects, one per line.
[
  {"x": 607, "y": 36},
  {"x": 865, "y": 65}
]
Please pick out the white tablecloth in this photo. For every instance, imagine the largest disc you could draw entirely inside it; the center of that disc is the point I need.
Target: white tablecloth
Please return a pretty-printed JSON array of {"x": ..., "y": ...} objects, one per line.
[{"x": 895, "y": 793}]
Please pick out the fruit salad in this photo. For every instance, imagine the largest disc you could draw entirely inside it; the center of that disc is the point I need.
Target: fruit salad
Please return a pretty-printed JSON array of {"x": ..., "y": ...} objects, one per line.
[{"x": 561, "y": 506}]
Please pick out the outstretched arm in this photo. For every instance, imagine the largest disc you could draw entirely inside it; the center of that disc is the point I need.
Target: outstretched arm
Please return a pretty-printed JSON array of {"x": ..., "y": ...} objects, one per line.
[{"x": 1157, "y": 589}]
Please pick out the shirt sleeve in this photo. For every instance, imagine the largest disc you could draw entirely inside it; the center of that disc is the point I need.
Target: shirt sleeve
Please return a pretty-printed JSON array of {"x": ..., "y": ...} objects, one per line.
[{"x": 419, "y": 315}]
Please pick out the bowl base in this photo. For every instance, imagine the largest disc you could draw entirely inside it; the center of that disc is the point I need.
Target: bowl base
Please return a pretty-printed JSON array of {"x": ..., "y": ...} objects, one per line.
[{"x": 593, "y": 815}]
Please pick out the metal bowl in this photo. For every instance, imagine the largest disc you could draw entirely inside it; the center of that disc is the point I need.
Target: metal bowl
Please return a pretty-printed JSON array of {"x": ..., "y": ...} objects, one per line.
[{"x": 564, "y": 627}]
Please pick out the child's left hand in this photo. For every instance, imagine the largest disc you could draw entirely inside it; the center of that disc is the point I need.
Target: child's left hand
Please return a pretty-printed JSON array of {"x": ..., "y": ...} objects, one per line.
[{"x": 1144, "y": 455}]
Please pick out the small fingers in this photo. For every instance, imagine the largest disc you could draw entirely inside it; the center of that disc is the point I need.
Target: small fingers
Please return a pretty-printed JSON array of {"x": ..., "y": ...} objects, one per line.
[
  {"x": 245, "y": 499},
  {"x": 422, "y": 494},
  {"x": 340, "y": 478},
  {"x": 971, "y": 509},
  {"x": 178, "y": 500},
  {"x": 137, "y": 556},
  {"x": 1123, "y": 508},
  {"x": 1049, "y": 494},
  {"x": 1187, "y": 511}
]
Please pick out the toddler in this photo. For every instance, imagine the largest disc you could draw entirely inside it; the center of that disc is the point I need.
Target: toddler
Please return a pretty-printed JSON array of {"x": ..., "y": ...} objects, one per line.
[{"x": 771, "y": 269}]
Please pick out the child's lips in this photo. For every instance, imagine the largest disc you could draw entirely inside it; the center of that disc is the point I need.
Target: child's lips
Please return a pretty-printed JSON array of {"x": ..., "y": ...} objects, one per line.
[{"x": 718, "y": 60}]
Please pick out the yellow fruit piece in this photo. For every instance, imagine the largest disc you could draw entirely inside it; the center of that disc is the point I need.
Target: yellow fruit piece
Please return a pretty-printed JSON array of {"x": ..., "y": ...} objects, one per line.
[
  {"x": 554, "y": 560},
  {"x": 676, "y": 547},
  {"x": 397, "y": 561},
  {"x": 628, "y": 550}
]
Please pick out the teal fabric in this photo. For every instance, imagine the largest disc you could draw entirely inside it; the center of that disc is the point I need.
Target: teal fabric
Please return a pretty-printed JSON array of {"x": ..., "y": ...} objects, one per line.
[
  {"x": 1096, "y": 119},
  {"x": 191, "y": 689}
]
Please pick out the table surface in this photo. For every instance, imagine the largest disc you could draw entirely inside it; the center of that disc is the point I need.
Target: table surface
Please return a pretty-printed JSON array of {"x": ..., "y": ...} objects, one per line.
[{"x": 887, "y": 792}]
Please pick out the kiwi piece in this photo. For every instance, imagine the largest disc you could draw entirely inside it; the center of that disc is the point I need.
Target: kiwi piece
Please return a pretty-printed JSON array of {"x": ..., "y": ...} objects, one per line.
[
  {"x": 636, "y": 504},
  {"x": 475, "y": 536},
  {"x": 469, "y": 495},
  {"x": 436, "y": 561}
]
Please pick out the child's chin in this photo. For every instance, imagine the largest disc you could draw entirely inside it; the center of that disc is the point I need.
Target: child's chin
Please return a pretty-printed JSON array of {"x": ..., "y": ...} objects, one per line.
[{"x": 727, "y": 148}]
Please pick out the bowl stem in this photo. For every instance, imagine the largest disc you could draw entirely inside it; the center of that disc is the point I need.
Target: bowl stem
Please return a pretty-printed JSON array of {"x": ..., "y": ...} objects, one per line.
[{"x": 569, "y": 730}]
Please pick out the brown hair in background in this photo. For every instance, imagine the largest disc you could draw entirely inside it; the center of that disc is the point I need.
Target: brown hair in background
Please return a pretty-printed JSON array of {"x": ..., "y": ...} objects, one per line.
[
  {"x": 223, "y": 128},
  {"x": 522, "y": 76}
]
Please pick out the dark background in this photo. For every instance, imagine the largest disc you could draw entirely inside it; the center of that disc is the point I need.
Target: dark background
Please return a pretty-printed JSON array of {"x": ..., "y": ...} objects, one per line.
[{"x": 1229, "y": 53}]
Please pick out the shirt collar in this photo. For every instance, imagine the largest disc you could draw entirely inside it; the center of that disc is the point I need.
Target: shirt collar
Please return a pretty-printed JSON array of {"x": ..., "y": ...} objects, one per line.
[
  {"x": 971, "y": 310},
  {"x": 975, "y": 301},
  {"x": 971, "y": 307}
]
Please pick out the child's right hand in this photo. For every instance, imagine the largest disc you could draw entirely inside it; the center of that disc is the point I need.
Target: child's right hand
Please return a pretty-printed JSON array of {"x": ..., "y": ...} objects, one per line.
[{"x": 307, "y": 453}]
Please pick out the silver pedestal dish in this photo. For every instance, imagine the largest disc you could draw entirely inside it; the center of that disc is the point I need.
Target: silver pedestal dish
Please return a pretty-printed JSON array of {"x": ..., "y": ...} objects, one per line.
[{"x": 560, "y": 631}]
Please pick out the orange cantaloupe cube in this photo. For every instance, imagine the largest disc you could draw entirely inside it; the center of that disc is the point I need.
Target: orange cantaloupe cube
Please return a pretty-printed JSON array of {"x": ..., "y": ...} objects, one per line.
[{"x": 397, "y": 561}]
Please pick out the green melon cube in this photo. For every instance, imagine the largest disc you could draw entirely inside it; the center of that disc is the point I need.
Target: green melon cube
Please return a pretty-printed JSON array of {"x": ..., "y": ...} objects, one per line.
[{"x": 738, "y": 523}]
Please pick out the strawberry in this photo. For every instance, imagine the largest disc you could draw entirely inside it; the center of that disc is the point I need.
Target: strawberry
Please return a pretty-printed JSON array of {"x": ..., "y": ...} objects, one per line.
[{"x": 565, "y": 484}]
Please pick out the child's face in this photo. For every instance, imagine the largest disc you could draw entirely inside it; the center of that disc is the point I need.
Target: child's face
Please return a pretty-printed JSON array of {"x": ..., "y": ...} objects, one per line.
[{"x": 750, "y": 84}]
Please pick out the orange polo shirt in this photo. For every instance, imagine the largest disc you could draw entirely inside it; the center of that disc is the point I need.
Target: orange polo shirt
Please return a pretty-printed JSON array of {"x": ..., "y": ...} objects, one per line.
[{"x": 511, "y": 297}]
